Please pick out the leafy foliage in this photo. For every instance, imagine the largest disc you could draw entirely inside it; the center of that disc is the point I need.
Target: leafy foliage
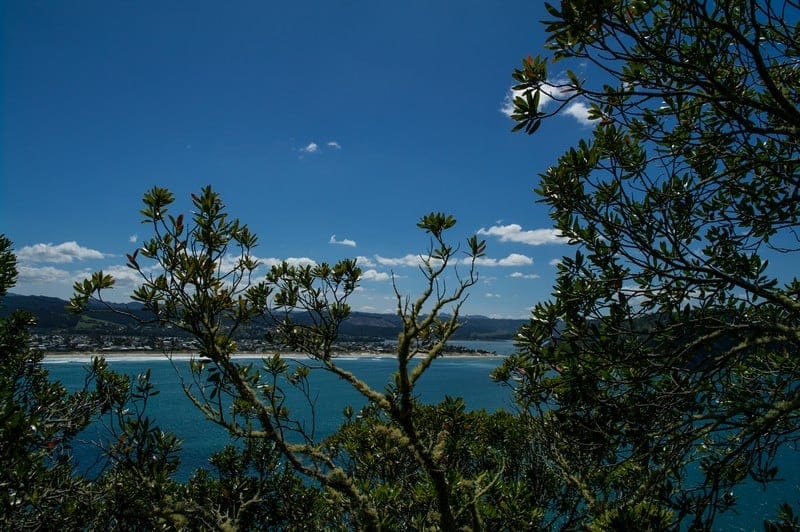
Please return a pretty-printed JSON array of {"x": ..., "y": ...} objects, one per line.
[
  {"x": 139, "y": 458},
  {"x": 38, "y": 420},
  {"x": 499, "y": 477},
  {"x": 251, "y": 488},
  {"x": 665, "y": 366}
]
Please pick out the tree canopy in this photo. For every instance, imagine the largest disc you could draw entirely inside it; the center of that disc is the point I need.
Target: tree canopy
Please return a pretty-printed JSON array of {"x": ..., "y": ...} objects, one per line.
[{"x": 664, "y": 370}]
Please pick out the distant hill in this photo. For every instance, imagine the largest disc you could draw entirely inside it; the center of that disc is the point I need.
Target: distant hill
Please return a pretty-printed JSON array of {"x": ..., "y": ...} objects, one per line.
[
  {"x": 52, "y": 317},
  {"x": 472, "y": 328}
]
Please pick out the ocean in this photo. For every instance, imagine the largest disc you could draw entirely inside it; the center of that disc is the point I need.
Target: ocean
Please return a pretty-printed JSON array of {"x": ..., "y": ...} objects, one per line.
[{"x": 466, "y": 377}]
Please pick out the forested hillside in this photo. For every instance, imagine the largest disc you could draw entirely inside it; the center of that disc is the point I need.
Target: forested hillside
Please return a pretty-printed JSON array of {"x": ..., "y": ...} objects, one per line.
[{"x": 53, "y": 317}]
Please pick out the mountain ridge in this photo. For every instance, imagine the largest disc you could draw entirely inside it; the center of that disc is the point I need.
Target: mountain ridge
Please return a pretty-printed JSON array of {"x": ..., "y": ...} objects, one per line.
[{"x": 53, "y": 317}]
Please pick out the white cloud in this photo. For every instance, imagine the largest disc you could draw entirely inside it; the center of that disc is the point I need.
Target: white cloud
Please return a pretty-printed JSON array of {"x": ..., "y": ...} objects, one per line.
[
  {"x": 547, "y": 95},
  {"x": 374, "y": 275},
  {"x": 44, "y": 274},
  {"x": 301, "y": 261},
  {"x": 408, "y": 260},
  {"x": 56, "y": 282},
  {"x": 333, "y": 144},
  {"x": 546, "y": 92},
  {"x": 123, "y": 276},
  {"x": 312, "y": 147},
  {"x": 230, "y": 261},
  {"x": 520, "y": 275},
  {"x": 580, "y": 112},
  {"x": 292, "y": 261},
  {"x": 554, "y": 262},
  {"x": 490, "y": 294},
  {"x": 365, "y": 261},
  {"x": 514, "y": 233},
  {"x": 133, "y": 238},
  {"x": 57, "y": 253},
  {"x": 508, "y": 103},
  {"x": 343, "y": 242},
  {"x": 514, "y": 259}
]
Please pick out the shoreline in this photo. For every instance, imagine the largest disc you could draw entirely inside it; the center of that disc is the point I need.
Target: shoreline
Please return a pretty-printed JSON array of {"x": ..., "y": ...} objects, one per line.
[{"x": 87, "y": 356}]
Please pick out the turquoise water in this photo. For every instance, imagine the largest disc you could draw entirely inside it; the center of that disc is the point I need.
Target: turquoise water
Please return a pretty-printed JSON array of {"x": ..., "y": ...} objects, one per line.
[{"x": 464, "y": 377}]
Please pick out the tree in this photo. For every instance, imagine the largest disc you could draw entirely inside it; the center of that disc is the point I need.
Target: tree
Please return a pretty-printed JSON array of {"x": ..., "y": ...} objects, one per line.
[
  {"x": 38, "y": 421},
  {"x": 664, "y": 370},
  {"x": 198, "y": 276},
  {"x": 39, "y": 426},
  {"x": 134, "y": 489},
  {"x": 491, "y": 451}
]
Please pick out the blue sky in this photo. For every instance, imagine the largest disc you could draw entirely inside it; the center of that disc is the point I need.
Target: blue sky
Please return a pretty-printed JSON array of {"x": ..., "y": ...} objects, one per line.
[{"x": 328, "y": 127}]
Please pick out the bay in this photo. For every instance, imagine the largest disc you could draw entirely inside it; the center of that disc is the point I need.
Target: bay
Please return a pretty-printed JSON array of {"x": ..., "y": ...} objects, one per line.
[
  {"x": 466, "y": 377},
  {"x": 171, "y": 410}
]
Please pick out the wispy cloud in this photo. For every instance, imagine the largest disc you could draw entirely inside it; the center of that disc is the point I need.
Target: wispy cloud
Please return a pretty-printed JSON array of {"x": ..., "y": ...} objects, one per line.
[
  {"x": 554, "y": 262},
  {"x": 342, "y": 242},
  {"x": 58, "y": 253},
  {"x": 515, "y": 233},
  {"x": 311, "y": 147},
  {"x": 520, "y": 275},
  {"x": 133, "y": 238}
]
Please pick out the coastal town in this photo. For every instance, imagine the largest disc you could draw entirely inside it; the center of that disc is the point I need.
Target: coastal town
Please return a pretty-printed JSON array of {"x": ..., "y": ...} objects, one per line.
[
  {"x": 99, "y": 332},
  {"x": 100, "y": 344}
]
